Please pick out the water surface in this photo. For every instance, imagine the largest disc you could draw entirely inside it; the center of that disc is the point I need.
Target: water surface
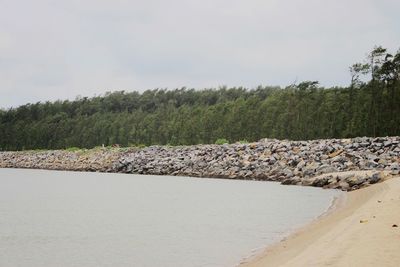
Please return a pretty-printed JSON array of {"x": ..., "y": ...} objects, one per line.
[{"x": 54, "y": 218}]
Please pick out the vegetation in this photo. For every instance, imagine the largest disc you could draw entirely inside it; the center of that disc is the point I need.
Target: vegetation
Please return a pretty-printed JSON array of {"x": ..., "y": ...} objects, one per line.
[
  {"x": 221, "y": 141},
  {"x": 72, "y": 149},
  {"x": 369, "y": 106}
]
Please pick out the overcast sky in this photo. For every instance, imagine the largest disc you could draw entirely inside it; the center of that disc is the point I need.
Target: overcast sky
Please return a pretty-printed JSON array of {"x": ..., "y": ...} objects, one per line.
[{"x": 60, "y": 49}]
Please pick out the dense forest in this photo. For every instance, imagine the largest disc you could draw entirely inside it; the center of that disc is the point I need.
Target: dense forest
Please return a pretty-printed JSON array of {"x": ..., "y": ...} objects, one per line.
[{"x": 369, "y": 106}]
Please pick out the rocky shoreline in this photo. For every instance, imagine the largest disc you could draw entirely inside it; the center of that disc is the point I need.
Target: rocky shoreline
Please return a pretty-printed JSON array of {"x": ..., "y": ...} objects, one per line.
[{"x": 327, "y": 163}]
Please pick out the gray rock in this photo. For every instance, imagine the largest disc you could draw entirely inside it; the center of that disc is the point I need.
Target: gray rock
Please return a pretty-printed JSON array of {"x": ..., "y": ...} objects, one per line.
[
  {"x": 355, "y": 180},
  {"x": 287, "y": 173},
  {"x": 395, "y": 166},
  {"x": 290, "y": 181},
  {"x": 326, "y": 169},
  {"x": 320, "y": 182},
  {"x": 387, "y": 143},
  {"x": 376, "y": 177},
  {"x": 301, "y": 164}
]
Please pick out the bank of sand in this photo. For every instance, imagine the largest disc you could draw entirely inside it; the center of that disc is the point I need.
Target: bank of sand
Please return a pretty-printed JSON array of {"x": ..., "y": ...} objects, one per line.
[{"x": 359, "y": 233}]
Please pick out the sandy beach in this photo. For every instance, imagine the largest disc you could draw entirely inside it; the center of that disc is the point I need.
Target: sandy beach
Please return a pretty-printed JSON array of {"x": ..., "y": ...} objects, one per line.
[{"x": 364, "y": 230}]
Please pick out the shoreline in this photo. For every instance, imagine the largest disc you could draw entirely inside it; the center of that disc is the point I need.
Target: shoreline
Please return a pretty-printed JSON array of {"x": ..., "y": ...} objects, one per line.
[
  {"x": 336, "y": 203},
  {"x": 357, "y": 231}
]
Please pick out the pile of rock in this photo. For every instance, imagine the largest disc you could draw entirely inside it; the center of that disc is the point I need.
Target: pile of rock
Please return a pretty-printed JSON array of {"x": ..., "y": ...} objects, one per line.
[
  {"x": 100, "y": 160},
  {"x": 290, "y": 162},
  {"x": 346, "y": 181},
  {"x": 328, "y": 163}
]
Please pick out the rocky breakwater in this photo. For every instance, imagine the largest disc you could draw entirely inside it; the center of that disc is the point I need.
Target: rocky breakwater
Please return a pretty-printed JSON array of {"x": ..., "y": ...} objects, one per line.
[
  {"x": 329, "y": 163},
  {"x": 101, "y": 160},
  {"x": 345, "y": 164}
]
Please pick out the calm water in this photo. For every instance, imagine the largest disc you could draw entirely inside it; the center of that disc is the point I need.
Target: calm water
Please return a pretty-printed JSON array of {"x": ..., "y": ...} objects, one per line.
[{"x": 50, "y": 218}]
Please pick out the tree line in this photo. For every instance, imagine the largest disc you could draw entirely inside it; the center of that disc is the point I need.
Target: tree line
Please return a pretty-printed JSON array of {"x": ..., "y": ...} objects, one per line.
[{"x": 369, "y": 106}]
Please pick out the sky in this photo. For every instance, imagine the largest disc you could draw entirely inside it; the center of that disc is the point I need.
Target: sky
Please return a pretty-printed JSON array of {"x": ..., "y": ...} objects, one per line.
[{"x": 62, "y": 49}]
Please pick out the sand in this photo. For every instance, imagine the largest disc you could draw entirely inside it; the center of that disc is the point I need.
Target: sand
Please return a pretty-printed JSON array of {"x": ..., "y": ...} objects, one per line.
[{"x": 359, "y": 232}]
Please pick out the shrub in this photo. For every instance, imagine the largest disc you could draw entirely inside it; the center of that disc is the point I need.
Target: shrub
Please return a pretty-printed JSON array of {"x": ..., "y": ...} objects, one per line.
[
  {"x": 72, "y": 149},
  {"x": 221, "y": 141}
]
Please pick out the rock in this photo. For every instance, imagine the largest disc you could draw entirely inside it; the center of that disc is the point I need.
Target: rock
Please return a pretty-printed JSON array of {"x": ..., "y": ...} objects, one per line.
[
  {"x": 310, "y": 169},
  {"x": 372, "y": 157},
  {"x": 371, "y": 164},
  {"x": 395, "y": 169},
  {"x": 291, "y": 181},
  {"x": 387, "y": 143},
  {"x": 309, "y": 172},
  {"x": 325, "y": 169},
  {"x": 376, "y": 177},
  {"x": 383, "y": 162},
  {"x": 320, "y": 182},
  {"x": 301, "y": 164},
  {"x": 355, "y": 180},
  {"x": 332, "y": 181},
  {"x": 272, "y": 160},
  {"x": 287, "y": 173},
  {"x": 336, "y": 153},
  {"x": 395, "y": 166}
]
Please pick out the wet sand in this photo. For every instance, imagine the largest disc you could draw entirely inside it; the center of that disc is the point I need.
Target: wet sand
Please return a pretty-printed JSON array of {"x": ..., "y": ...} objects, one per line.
[{"x": 360, "y": 232}]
